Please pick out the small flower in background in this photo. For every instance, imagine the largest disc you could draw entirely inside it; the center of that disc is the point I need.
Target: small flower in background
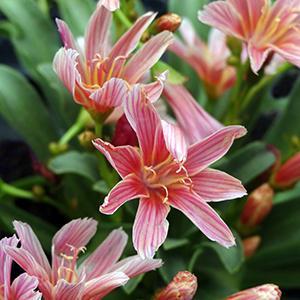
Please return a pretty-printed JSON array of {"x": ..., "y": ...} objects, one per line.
[
  {"x": 24, "y": 286},
  {"x": 98, "y": 75},
  {"x": 208, "y": 60},
  {"x": 266, "y": 291},
  {"x": 263, "y": 26},
  {"x": 166, "y": 172},
  {"x": 258, "y": 205},
  {"x": 288, "y": 173},
  {"x": 182, "y": 287},
  {"x": 192, "y": 119},
  {"x": 96, "y": 276},
  {"x": 251, "y": 244}
]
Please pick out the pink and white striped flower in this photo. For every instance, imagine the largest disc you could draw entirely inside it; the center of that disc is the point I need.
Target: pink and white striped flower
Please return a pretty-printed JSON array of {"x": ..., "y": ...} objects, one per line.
[
  {"x": 266, "y": 291},
  {"x": 99, "y": 77},
  {"x": 208, "y": 60},
  {"x": 193, "y": 120},
  {"x": 263, "y": 26},
  {"x": 94, "y": 278},
  {"x": 165, "y": 172},
  {"x": 23, "y": 287}
]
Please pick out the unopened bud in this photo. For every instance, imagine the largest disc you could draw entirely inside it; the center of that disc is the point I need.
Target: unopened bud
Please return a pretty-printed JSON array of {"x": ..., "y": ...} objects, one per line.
[
  {"x": 251, "y": 244},
  {"x": 258, "y": 205},
  {"x": 235, "y": 46},
  {"x": 38, "y": 191},
  {"x": 56, "y": 148},
  {"x": 232, "y": 61},
  {"x": 289, "y": 173},
  {"x": 183, "y": 286},
  {"x": 169, "y": 22},
  {"x": 266, "y": 291},
  {"x": 85, "y": 139}
]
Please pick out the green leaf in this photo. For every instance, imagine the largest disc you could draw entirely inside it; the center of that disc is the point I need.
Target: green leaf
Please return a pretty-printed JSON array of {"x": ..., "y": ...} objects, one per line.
[
  {"x": 76, "y": 13},
  {"x": 232, "y": 258},
  {"x": 174, "y": 76},
  {"x": 171, "y": 244},
  {"x": 247, "y": 163},
  {"x": 101, "y": 186},
  {"x": 82, "y": 164},
  {"x": 286, "y": 196},
  {"x": 287, "y": 125},
  {"x": 22, "y": 108},
  {"x": 132, "y": 284}
]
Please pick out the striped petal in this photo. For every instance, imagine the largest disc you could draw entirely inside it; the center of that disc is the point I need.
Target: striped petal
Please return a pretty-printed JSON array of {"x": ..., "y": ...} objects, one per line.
[
  {"x": 67, "y": 291},
  {"x": 103, "y": 285},
  {"x": 23, "y": 288},
  {"x": 96, "y": 34},
  {"x": 153, "y": 90},
  {"x": 150, "y": 226},
  {"x": 124, "y": 159},
  {"x": 257, "y": 57},
  {"x": 66, "y": 35},
  {"x": 128, "y": 42},
  {"x": 30, "y": 243},
  {"x": 195, "y": 122},
  {"x": 147, "y": 56},
  {"x": 110, "y": 95},
  {"x": 202, "y": 215},
  {"x": 111, "y": 5},
  {"x": 129, "y": 188},
  {"x": 214, "y": 185},
  {"x": 134, "y": 265},
  {"x": 105, "y": 256},
  {"x": 202, "y": 154}
]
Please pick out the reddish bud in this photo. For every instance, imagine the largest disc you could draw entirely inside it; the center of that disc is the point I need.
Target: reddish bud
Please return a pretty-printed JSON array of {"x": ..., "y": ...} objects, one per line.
[
  {"x": 183, "y": 286},
  {"x": 289, "y": 173},
  {"x": 124, "y": 134},
  {"x": 251, "y": 244},
  {"x": 266, "y": 291},
  {"x": 169, "y": 22},
  {"x": 258, "y": 205}
]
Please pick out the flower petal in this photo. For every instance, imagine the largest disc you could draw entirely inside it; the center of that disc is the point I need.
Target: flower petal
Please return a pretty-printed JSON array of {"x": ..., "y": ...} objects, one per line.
[
  {"x": 23, "y": 288},
  {"x": 124, "y": 159},
  {"x": 97, "y": 31},
  {"x": 202, "y": 215},
  {"x": 103, "y": 285},
  {"x": 146, "y": 123},
  {"x": 111, "y": 5},
  {"x": 212, "y": 148},
  {"x": 147, "y": 56},
  {"x": 30, "y": 243},
  {"x": 214, "y": 185},
  {"x": 175, "y": 141},
  {"x": 196, "y": 123},
  {"x": 257, "y": 57},
  {"x": 134, "y": 265},
  {"x": 153, "y": 90},
  {"x": 150, "y": 226},
  {"x": 66, "y": 35},
  {"x": 129, "y": 40},
  {"x": 110, "y": 95},
  {"x": 105, "y": 256},
  {"x": 68, "y": 291},
  {"x": 129, "y": 188}
]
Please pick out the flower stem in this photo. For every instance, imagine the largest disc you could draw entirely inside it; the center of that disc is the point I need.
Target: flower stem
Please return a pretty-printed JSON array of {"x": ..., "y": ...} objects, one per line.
[
  {"x": 11, "y": 190},
  {"x": 123, "y": 18}
]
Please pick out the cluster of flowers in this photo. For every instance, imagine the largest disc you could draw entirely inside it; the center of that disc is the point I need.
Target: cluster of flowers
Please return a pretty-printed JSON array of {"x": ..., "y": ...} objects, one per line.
[{"x": 170, "y": 166}]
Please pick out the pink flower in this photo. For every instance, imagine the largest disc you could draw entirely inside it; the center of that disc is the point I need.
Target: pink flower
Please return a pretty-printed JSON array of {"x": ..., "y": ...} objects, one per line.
[
  {"x": 208, "y": 60},
  {"x": 289, "y": 173},
  {"x": 265, "y": 291},
  {"x": 111, "y": 5},
  {"x": 165, "y": 172},
  {"x": 23, "y": 286},
  {"x": 96, "y": 276},
  {"x": 99, "y": 77},
  {"x": 183, "y": 286},
  {"x": 193, "y": 120},
  {"x": 263, "y": 26}
]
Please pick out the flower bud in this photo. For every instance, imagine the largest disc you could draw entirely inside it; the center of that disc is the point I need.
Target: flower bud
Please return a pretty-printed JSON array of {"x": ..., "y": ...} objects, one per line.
[
  {"x": 251, "y": 244},
  {"x": 289, "y": 173},
  {"x": 183, "y": 286},
  {"x": 266, "y": 291},
  {"x": 56, "y": 148},
  {"x": 258, "y": 205},
  {"x": 85, "y": 139},
  {"x": 235, "y": 46},
  {"x": 38, "y": 191},
  {"x": 169, "y": 22}
]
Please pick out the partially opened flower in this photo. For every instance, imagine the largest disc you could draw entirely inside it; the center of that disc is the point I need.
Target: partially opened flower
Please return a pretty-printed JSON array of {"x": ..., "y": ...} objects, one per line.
[
  {"x": 265, "y": 291},
  {"x": 99, "y": 76},
  {"x": 263, "y": 26},
  {"x": 94, "y": 278},
  {"x": 24, "y": 286},
  {"x": 193, "y": 120},
  {"x": 165, "y": 172},
  {"x": 207, "y": 59}
]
